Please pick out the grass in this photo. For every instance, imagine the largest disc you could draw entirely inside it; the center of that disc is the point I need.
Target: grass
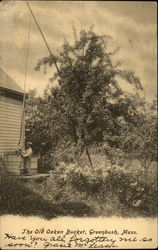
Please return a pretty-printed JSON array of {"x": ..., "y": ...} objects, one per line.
[
  {"x": 23, "y": 198},
  {"x": 50, "y": 199}
]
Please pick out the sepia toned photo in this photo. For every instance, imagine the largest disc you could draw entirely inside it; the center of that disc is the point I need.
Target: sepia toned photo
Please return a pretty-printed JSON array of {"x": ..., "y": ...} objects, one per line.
[{"x": 78, "y": 124}]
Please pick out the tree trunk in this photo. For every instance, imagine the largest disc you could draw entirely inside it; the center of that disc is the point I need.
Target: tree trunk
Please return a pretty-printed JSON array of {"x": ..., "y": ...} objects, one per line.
[
  {"x": 89, "y": 158},
  {"x": 87, "y": 152}
]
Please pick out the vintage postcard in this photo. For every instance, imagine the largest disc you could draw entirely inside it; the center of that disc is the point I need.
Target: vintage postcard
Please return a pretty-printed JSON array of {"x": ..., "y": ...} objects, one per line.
[{"x": 78, "y": 124}]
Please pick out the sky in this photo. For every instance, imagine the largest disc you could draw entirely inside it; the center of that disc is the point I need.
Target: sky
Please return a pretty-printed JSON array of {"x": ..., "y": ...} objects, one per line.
[{"x": 132, "y": 25}]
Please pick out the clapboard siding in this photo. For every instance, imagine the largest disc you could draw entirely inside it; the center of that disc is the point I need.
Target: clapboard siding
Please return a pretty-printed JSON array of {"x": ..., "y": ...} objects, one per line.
[
  {"x": 11, "y": 108},
  {"x": 6, "y": 130},
  {"x": 9, "y": 120},
  {"x": 9, "y": 105},
  {"x": 10, "y": 115},
  {"x": 5, "y": 137},
  {"x": 11, "y": 111},
  {"x": 10, "y": 123},
  {"x": 10, "y": 100},
  {"x": 8, "y": 148},
  {"x": 8, "y": 126}
]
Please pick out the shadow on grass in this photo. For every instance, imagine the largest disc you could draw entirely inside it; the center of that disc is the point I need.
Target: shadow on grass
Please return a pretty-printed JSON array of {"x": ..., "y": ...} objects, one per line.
[{"x": 18, "y": 199}]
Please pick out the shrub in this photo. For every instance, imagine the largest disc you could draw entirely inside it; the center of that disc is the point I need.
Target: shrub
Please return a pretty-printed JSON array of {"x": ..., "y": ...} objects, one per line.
[
  {"x": 45, "y": 162},
  {"x": 102, "y": 191},
  {"x": 134, "y": 192},
  {"x": 84, "y": 179}
]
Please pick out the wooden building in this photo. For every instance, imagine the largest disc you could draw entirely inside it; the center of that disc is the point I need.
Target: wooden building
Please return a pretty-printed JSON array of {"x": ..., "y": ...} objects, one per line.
[{"x": 11, "y": 126}]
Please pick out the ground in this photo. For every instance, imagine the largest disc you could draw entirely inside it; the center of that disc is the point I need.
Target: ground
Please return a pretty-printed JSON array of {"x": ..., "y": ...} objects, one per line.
[{"x": 55, "y": 196}]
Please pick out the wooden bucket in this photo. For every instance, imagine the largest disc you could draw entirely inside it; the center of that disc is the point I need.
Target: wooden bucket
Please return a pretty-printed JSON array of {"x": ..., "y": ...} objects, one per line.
[
  {"x": 14, "y": 164},
  {"x": 34, "y": 165}
]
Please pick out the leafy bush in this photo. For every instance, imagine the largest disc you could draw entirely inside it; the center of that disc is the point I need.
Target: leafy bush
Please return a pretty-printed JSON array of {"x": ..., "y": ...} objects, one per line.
[
  {"x": 65, "y": 153},
  {"x": 45, "y": 162},
  {"x": 83, "y": 179},
  {"x": 72, "y": 189},
  {"x": 135, "y": 192}
]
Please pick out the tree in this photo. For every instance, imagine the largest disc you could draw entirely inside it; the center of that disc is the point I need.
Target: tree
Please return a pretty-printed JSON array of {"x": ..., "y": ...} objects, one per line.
[
  {"x": 37, "y": 127},
  {"x": 89, "y": 98},
  {"x": 136, "y": 139}
]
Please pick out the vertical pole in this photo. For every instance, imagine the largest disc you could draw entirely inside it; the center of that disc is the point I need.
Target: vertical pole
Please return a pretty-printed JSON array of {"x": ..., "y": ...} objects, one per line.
[{"x": 21, "y": 140}]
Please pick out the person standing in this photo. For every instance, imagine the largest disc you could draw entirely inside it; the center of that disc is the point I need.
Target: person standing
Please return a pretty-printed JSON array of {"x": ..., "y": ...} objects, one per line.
[{"x": 27, "y": 156}]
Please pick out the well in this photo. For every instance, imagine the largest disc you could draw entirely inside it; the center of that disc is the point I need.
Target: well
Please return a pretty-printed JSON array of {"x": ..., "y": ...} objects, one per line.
[{"x": 14, "y": 164}]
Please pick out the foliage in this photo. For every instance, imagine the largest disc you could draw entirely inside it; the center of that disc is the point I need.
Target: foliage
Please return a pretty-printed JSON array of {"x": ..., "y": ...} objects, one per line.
[
  {"x": 88, "y": 99},
  {"x": 127, "y": 191},
  {"x": 89, "y": 108},
  {"x": 75, "y": 190},
  {"x": 38, "y": 129},
  {"x": 137, "y": 139},
  {"x": 84, "y": 179},
  {"x": 136, "y": 193},
  {"x": 30, "y": 199}
]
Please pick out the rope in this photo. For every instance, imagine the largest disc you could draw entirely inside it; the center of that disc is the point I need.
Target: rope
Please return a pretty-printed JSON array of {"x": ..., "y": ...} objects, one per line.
[
  {"x": 26, "y": 70},
  {"x": 52, "y": 56}
]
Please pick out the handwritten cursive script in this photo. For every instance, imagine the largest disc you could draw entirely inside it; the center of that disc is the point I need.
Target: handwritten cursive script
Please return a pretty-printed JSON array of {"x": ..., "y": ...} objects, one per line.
[{"x": 49, "y": 238}]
